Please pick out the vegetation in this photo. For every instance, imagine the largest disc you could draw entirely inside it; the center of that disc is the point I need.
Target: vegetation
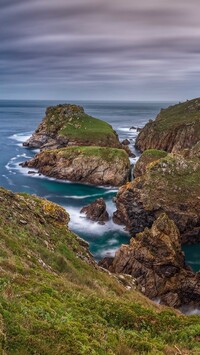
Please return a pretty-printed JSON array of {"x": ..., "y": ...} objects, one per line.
[
  {"x": 183, "y": 113},
  {"x": 106, "y": 153},
  {"x": 72, "y": 122},
  {"x": 177, "y": 178},
  {"x": 54, "y": 300}
]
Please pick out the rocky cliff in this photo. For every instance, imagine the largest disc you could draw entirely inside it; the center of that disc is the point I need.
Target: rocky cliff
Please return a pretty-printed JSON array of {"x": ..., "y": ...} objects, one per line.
[
  {"x": 155, "y": 259},
  {"x": 94, "y": 165},
  {"x": 171, "y": 185},
  {"x": 174, "y": 129},
  {"x": 68, "y": 125},
  {"x": 55, "y": 300}
]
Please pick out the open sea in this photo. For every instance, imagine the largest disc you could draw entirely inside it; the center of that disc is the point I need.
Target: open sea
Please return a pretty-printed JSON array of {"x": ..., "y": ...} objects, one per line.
[{"x": 18, "y": 119}]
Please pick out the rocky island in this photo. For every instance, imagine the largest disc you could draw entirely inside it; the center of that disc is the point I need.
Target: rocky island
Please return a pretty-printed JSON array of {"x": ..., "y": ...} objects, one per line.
[
  {"x": 77, "y": 147},
  {"x": 54, "y": 299}
]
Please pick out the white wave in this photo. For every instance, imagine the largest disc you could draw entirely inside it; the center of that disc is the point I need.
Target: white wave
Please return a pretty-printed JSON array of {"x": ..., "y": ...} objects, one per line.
[
  {"x": 75, "y": 197},
  {"x": 80, "y": 223},
  {"x": 21, "y": 137},
  {"x": 108, "y": 252},
  {"x": 127, "y": 129}
]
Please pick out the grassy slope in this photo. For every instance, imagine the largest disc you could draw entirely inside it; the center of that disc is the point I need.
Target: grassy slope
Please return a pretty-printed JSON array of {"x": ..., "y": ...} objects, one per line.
[
  {"x": 177, "y": 178},
  {"x": 78, "y": 125},
  {"x": 52, "y": 302},
  {"x": 183, "y": 113},
  {"x": 108, "y": 154}
]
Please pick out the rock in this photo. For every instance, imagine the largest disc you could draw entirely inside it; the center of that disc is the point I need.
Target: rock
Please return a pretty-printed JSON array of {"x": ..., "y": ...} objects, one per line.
[
  {"x": 155, "y": 260},
  {"x": 132, "y": 155},
  {"x": 30, "y": 172},
  {"x": 125, "y": 142},
  {"x": 94, "y": 165},
  {"x": 68, "y": 125},
  {"x": 148, "y": 157},
  {"x": 133, "y": 127},
  {"x": 96, "y": 211},
  {"x": 139, "y": 129},
  {"x": 174, "y": 129},
  {"x": 169, "y": 185}
]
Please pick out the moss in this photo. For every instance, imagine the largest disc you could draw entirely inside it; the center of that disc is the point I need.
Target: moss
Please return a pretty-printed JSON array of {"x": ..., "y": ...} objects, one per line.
[{"x": 53, "y": 302}]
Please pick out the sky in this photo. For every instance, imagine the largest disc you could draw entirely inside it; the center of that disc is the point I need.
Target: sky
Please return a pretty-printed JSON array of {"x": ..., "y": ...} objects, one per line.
[{"x": 100, "y": 49}]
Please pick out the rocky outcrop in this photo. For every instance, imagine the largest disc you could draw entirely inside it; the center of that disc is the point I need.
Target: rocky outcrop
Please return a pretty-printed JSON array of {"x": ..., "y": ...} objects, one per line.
[
  {"x": 169, "y": 185},
  {"x": 94, "y": 165},
  {"x": 68, "y": 125},
  {"x": 175, "y": 128},
  {"x": 96, "y": 211},
  {"x": 155, "y": 259},
  {"x": 126, "y": 142},
  {"x": 148, "y": 157}
]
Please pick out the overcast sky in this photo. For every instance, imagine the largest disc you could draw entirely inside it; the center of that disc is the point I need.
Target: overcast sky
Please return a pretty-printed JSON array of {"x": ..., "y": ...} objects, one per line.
[{"x": 100, "y": 49}]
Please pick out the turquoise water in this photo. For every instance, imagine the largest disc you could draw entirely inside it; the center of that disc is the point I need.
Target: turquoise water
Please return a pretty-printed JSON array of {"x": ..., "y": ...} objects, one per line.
[
  {"x": 20, "y": 118},
  {"x": 192, "y": 255}
]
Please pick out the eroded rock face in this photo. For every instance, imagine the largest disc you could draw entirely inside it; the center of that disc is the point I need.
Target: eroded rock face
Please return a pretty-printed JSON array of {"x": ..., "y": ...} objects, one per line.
[
  {"x": 68, "y": 125},
  {"x": 175, "y": 128},
  {"x": 96, "y": 211},
  {"x": 155, "y": 259},
  {"x": 169, "y": 185},
  {"x": 94, "y": 165}
]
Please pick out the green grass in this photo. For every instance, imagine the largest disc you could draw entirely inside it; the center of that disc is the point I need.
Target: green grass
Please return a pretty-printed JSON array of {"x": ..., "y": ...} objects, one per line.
[
  {"x": 183, "y": 113},
  {"x": 108, "y": 154},
  {"x": 154, "y": 153},
  {"x": 77, "y": 125},
  {"x": 54, "y": 302}
]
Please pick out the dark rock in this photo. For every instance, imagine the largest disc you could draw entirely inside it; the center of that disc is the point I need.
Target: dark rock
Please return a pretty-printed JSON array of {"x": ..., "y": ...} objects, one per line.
[
  {"x": 125, "y": 142},
  {"x": 96, "y": 211},
  {"x": 31, "y": 172},
  {"x": 133, "y": 127}
]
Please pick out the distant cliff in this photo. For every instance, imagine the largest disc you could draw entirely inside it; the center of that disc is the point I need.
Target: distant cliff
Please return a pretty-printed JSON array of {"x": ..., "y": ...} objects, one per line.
[{"x": 174, "y": 129}]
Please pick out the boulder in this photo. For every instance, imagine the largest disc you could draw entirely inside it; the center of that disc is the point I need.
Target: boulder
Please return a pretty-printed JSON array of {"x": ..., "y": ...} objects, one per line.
[
  {"x": 125, "y": 142},
  {"x": 96, "y": 211}
]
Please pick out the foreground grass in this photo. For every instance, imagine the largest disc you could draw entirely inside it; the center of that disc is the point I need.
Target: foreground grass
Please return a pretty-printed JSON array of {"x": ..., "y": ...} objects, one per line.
[{"x": 54, "y": 300}]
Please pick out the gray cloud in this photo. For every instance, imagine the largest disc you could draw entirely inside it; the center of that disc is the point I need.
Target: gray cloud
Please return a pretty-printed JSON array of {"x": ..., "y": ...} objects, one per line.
[{"x": 96, "y": 49}]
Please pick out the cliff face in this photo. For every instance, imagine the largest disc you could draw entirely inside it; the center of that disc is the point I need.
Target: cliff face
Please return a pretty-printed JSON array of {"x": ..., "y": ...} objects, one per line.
[
  {"x": 175, "y": 128},
  {"x": 155, "y": 259},
  {"x": 55, "y": 300},
  {"x": 69, "y": 125},
  {"x": 94, "y": 165},
  {"x": 169, "y": 185}
]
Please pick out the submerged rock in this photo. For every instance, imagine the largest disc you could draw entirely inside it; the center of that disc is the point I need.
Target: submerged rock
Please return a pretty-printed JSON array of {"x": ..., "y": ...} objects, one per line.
[
  {"x": 174, "y": 129},
  {"x": 94, "y": 165},
  {"x": 96, "y": 211},
  {"x": 155, "y": 259}
]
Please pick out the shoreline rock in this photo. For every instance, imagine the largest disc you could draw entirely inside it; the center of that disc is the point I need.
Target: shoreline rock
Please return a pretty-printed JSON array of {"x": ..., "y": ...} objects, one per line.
[
  {"x": 96, "y": 211},
  {"x": 94, "y": 165},
  {"x": 155, "y": 260},
  {"x": 171, "y": 185}
]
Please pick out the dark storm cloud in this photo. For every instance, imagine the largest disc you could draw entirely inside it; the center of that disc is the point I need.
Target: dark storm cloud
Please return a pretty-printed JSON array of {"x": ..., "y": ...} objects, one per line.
[{"x": 97, "y": 48}]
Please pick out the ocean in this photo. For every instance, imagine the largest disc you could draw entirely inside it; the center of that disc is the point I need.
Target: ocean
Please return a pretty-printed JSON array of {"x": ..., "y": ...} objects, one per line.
[{"x": 20, "y": 118}]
